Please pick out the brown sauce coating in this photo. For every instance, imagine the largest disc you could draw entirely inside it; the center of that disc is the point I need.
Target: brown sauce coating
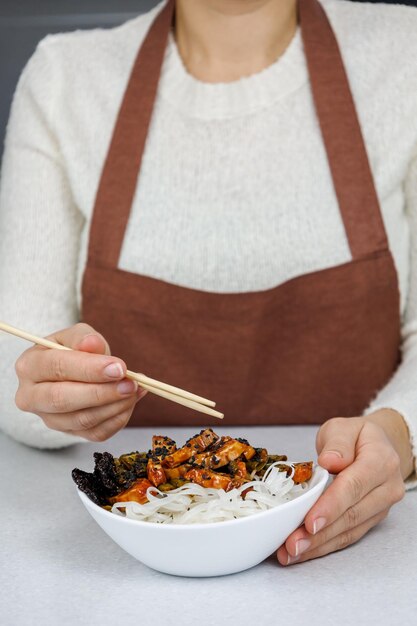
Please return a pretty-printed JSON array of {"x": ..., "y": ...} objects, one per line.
[{"x": 206, "y": 459}]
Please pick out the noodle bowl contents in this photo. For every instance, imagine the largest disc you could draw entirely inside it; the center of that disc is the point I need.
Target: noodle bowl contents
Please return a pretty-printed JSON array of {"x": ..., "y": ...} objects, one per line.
[{"x": 209, "y": 479}]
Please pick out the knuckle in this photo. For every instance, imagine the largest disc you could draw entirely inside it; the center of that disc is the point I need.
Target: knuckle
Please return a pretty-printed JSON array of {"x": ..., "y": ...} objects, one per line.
[
  {"x": 85, "y": 420},
  {"x": 21, "y": 400},
  {"x": 57, "y": 400},
  {"x": 351, "y": 517},
  {"x": 97, "y": 394},
  {"x": 356, "y": 488},
  {"x": 21, "y": 368},
  {"x": 333, "y": 425},
  {"x": 345, "y": 539},
  {"x": 86, "y": 372},
  {"x": 57, "y": 367}
]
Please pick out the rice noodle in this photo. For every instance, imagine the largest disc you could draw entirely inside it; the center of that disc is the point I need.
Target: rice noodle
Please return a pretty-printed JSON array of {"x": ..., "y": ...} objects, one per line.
[{"x": 193, "y": 504}]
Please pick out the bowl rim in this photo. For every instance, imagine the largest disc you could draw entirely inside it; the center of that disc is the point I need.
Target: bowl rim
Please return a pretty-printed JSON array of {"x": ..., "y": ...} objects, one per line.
[{"x": 323, "y": 476}]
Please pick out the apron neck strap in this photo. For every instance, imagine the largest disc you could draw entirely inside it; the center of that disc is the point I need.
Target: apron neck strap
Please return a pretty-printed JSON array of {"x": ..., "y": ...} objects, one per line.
[
  {"x": 341, "y": 131},
  {"x": 342, "y": 136},
  {"x": 119, "y": 177}
]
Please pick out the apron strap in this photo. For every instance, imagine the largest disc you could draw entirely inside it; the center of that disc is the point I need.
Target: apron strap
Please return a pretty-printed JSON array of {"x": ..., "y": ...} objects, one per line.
[
  {"x": 119, "y": 177},
  {"x": 342, "y": 136},
  {"x": 341, "y": 132}
]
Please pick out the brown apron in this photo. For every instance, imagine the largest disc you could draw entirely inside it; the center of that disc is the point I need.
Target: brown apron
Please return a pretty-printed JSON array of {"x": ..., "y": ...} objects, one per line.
[{"x": 318, "y": 346}]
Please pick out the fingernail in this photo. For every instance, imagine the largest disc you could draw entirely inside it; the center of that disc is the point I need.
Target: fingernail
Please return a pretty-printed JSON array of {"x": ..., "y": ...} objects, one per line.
[
  {"x": 318, "y": 524},
  {"x": 114, "y": 370},
  {"x": 127, "y": 387},
  {"x": 292, "y": 559},
  {"x": 301, "y": 546}
]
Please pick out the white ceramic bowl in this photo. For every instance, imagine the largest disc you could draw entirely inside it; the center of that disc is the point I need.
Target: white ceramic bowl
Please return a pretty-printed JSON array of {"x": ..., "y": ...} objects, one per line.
[{"x": 209, "y": 549}]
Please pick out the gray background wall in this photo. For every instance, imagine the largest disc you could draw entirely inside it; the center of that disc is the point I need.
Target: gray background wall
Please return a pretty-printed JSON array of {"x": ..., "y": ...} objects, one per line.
[{"x": 25, "y": 22}]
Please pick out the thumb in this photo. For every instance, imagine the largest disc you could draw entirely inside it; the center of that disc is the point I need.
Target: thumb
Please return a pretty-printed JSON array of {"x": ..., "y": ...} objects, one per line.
[
  {"x": 82, "y": 337},
  {"x": 336, "y": 443}
]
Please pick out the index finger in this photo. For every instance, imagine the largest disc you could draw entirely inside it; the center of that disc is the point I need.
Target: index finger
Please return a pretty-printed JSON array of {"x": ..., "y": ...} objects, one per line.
[
  {"x": 348, "y": 488},
  {"x": 44, "y": 364}
]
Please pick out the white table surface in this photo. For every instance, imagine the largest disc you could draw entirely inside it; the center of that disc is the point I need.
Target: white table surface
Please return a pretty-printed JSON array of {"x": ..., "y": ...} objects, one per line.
[{"x": 58, "y": 567}]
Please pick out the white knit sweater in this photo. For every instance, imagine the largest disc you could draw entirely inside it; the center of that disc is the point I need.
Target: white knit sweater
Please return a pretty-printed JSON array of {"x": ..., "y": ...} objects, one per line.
[{"x": 234, "y": 194}]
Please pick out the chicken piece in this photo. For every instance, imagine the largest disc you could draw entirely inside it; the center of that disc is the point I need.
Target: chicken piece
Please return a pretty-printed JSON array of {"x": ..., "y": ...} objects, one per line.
[
  {"x": 302, "y": 472},
  {"x": 249, "y": 453},
  {"x": 155, "y": 472},
  {"x": 217, "y": 480},
  {"x": 135, "y": 493},
  {"x": 229, "y": 451},
  {"x": 161, "y": 447},
  {"x": 208, "y": 478},
  {"x": 176, "y": 472},
  {"x": 193, "y": 446},
  {"x": 202, "y": 459}
]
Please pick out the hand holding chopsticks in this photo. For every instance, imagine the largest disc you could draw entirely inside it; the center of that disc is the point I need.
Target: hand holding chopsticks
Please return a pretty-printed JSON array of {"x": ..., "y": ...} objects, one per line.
[{"x": 180, "y": 396}]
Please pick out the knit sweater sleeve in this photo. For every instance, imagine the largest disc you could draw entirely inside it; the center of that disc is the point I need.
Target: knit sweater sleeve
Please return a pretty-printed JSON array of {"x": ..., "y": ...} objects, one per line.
[
  {"x": 40, "y": 232},
  {"x": 401, "y": 391}
]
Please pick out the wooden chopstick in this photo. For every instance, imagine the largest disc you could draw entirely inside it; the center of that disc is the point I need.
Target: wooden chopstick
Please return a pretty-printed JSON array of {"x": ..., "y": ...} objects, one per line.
[
  {"x": 180, "y": 400},
  {"x": 175, "y": 394},
  {"x": 145, "y": 380}
]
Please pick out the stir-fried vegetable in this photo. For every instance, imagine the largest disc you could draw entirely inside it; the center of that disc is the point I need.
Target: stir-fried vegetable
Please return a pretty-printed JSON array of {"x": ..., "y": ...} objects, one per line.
[{"x": 206, "y": 459}]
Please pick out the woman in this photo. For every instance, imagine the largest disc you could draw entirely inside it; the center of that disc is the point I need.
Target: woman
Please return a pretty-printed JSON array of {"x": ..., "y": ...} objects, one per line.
[{"x": 250, "y": 262}]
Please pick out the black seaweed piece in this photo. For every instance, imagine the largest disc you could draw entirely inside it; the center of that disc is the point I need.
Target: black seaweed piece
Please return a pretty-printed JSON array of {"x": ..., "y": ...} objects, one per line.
[
  {"x": 88, "y": 484},
  {"x": 102, "y": 483},
  {"x": 105, "y": 472},
  {"x": 110, "y": 476}
]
